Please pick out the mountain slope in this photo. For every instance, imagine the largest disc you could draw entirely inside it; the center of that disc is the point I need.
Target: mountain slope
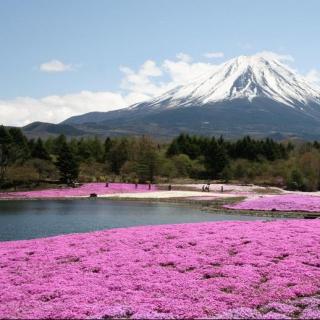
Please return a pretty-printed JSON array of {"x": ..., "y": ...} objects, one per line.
[
  {"x": 245, "y": 77},
  {"x": 256, "y": 95},
  {"x": 42, "y": 129}
]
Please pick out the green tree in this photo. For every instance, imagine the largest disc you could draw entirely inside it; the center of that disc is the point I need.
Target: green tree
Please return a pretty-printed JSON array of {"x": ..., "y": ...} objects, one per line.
[
  {"x": 83, "y": 151},
  {"x": 57, "y": 143},
  {"x": 118, "y": 154},
  {"x": 183, "y": 165},
  {"x": 226, "y": 174},
  {"x": 147, "y": 160},
  {"x": 296, "y": 181},
  {"x": 67, "y": 164},
  {"x": 19, "y": 144},
  {"x": 216, "y": 159},
  {"x": 107, "y": 147},
  {"x": 39, "y": 151},
  {"x": 96, "y": 149},
  {"x": 5, "y": 151}
]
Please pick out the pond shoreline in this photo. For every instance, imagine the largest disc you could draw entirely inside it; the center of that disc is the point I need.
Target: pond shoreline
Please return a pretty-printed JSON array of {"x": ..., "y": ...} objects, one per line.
[
  {"x": 39, "y": 219},
  {"x": 214, "y": 206},
  {"x": 229, "y": 200}
]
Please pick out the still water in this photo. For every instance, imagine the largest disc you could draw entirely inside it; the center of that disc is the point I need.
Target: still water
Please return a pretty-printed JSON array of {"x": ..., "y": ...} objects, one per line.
[{"x": 37, "y": 219}]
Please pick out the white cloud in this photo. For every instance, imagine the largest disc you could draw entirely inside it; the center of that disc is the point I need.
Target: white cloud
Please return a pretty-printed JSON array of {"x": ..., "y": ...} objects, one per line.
[
  {"x": 142, "y": 81},
  {"x": 181, "y": 72},
  {"x": 55, "y": 108},
  {"x": 313, "y": 76},
  {"x": 149, "y": 81},
  {"x": 55, "y": 66},
  {"x": 213, "y": 55},
  {"x": 184, "y": 57}
]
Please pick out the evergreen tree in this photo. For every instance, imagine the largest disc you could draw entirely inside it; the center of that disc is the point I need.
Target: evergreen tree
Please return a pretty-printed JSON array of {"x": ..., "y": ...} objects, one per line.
[
  {"x": 20, "y": 144},
  {"x": 5, "y": 151},
  {"x": 39, "y": 151},
  {"x": 118, "y": 154},
  {"x": 107, "y": 147},
  {"x": 67, "y": 164},
  {"x": 296, "y": 181},
  {"x": 96, "y": 149},
  {"x": 83, "y": 151},
  {"x": 49, "y": 145},
  {"x": 216, "y": 159},
  {"x": 147, "y": 160},
  {"x": 73, "y": 145},
  {"x": 184, "y": 144},
  {"x": 57, "y": 143},
  {"x": 173, "y": 149}
]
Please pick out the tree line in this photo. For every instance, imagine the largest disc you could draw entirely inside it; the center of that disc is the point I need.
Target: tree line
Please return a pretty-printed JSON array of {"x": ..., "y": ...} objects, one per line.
[{"x": 144, "y": 160}]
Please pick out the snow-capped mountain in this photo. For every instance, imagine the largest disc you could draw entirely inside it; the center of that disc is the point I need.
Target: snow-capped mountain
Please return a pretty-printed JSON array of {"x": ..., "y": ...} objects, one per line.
[
  {"x": 257, "y": 95},
  {"x": 261, "y": 75}
]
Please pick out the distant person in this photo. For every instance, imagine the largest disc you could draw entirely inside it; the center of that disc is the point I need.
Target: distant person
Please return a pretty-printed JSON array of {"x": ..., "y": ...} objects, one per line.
[
  {"x": 169, "y": 187},
  {"x": 221, "y": 188},
  {"x": 203, "y": 188},
  {"x": 107, "y": 185}
]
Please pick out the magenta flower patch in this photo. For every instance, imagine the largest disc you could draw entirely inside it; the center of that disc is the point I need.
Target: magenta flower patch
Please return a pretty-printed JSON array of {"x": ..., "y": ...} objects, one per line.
[
  {"x": 203, "y": 270},
  {"x": 286, "y": 202},
  {"x": 84, "y": 190}
]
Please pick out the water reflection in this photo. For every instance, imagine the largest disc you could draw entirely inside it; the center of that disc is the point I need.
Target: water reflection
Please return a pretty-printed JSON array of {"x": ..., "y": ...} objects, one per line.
[{"x": 35, "y": 219}]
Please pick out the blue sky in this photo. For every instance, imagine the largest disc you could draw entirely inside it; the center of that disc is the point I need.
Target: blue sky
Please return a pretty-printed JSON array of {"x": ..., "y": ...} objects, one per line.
[{"x": 94, "y": 38}]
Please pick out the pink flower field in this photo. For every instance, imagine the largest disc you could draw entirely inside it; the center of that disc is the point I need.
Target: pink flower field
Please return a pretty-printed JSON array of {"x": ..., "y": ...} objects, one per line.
[
  {"x": 286, "y": 202},
  {"x": 84, "y": 190},
  {"x": 244, "y": 270}
]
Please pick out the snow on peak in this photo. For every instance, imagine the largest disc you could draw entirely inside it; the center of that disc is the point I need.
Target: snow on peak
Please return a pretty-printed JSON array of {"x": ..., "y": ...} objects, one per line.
[{"x": 260, "y": 75}]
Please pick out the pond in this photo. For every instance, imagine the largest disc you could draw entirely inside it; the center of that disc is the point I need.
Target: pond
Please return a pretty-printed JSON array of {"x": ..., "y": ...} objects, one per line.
[{"x": 30, "y": 219}]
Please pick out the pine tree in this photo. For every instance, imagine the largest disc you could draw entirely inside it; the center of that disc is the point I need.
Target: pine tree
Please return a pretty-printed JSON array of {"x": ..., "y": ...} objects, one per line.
[
  {"x": 83, "y": 151},
  {"x": 5, "y": 151},
  {"x": 58, "y": 142},
  {"x": 96, "y": 149},
  {"x": 67, "y": 165},
  {"x": 296, "y": 181},
  {"x": 118, "y": 154},
  {"x": 107, "y": 147},
  {"x": 216, "y": 159},
  {"x": 147, "y": 160},
  {"x": 39, "y": 151},
  {"x": 20, "y": 144}
]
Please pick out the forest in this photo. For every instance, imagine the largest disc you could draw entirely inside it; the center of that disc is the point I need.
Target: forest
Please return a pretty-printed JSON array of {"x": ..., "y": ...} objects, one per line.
[{"x": 28, "y": 163}]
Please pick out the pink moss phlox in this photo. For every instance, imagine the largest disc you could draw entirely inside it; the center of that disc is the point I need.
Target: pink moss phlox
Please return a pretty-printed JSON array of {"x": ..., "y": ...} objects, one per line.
[
  {"x": 310, "y": 314},
  {"x": 286, "y": 202},
  {"x": 282, "y": 308},
  {"x": 84, "y": 190},
  {"x": 240, "y": 313},
  {"x": 274, "y": 316},
  {"x": 201, "y": 270},
  {"x": 309, "y": 302}
]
